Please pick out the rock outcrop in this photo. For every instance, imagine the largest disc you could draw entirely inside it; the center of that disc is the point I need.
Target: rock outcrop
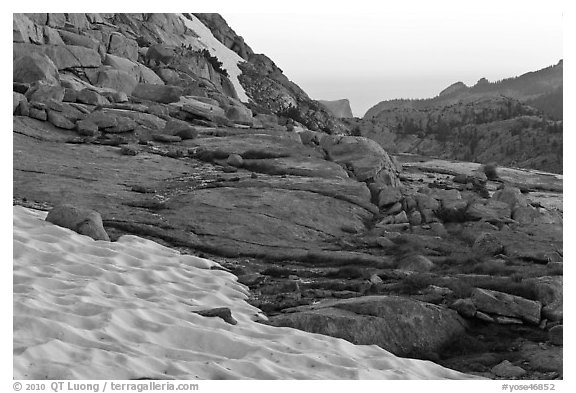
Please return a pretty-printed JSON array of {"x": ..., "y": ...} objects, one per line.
[
  {"x": 339, "y": 108},
  {"x": 402, "y": 326},
  {"x": 84, "y": 221}
]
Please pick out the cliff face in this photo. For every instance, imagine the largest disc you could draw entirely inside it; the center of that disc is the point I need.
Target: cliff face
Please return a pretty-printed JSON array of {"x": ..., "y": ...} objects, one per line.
[
  {"x": 339, "y": 108},
  {"x": 268, "y": 87}
]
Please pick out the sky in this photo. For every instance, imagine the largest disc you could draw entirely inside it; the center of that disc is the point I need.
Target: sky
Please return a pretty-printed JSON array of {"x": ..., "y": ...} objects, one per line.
[{"x": 409, "y": 50}]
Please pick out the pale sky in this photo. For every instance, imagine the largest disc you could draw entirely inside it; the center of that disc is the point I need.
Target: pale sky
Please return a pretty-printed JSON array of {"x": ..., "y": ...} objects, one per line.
[{"x": 413, "y": 50}]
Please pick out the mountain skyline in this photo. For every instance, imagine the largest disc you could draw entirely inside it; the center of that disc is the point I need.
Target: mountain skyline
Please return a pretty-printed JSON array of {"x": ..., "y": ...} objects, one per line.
[{"x": 397, "y": 52}]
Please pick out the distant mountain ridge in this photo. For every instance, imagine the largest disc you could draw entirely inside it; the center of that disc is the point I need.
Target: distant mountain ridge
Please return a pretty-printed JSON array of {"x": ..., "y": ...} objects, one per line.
[
  {"x": 528, "y": 87},
  {"x": 515, "y": 122},
  {"x": 339, "y": 108}
]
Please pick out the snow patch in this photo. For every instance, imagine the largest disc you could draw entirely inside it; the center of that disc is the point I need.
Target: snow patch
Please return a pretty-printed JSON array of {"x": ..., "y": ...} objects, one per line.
[{"x": 229, "y": 58}]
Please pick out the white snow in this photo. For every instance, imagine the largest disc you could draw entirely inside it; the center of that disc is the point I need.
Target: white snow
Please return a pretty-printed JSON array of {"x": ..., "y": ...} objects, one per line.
[{"x": 228, "y": 57}]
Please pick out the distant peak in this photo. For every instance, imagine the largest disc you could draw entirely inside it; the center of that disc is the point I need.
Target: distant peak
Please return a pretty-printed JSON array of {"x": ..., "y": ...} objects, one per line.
[
  {"x": 453, "y": 88},
  {"x": 482, "y": 81}
]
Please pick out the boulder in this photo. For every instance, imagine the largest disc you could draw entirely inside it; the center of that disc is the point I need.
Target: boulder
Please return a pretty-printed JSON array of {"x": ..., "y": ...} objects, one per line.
[
  {"x": 507, "y": 370},
  {"x": 543, "y": 358},
  {"x": 21, "y": 88},
  {"x": 118, "y": 97},
  {"x": 235, "y": 160},
  {"x": 83, "y": 221},
  {"x": 555, "y": 335},
  {"x": 102, "y": 120},
  {"x": 38, "y": 114},
  {"x": 148, "y": 76},
  {"x": 221, "y": 312},
  {"x": 60, "y": 120},
  {"x": 86, "y": 128},
  {"x": 415, "y": 218},
  {"x": 525, "y": 215},
  {"x": 388, "y": 195},
  {"x": 17, "y": 98},
  {"x": 180, "y": 128},
  {"x": 123, "y": 124},
  {"x": 71, "y": 38},
  {"x": 239, "y": 114},
  {"x": 428, "y": 216},
  {"x": 51, "y": 36},
  {"x": 71, "y": 112},
  {"x": 90, "y": 97},
  {"x": 492, "y": 211},
  {"x": 403, "y": 326},
  {"x": 43, "y": 93},
  {"x": 160, "y": 54},
  {"x": 169, "y": 76},
  {"x": 122, "y": 46},
  {"x": 308, "y": 138},
  {"x": 442, "y": 195},
  {"x": 500, "y": 303},
  {"x": 34, "y": 66},
  {"x": 394, "y": 209},
  {"x": 139, "y": 71},
  {"x": 364, "y": 157},
  {"x": 70, "y": 95},
  {"x": 400, "y": 218},
  {"x": 512, "y": 196},
  {"x": 461, "y": 178},
  {"x": 426, "y": 202},
  {"x": 375, "y": 279},
  {"x": 488, "y": 243},
  {"x": 416, "y": 263},
  {"x": 166, "y": 138},
  {"x": 158, "y": 93},
  {"x": 64, "y": 57},
  {"x": 549, "y": 291},
  {"x": 385, "y": 221},
  {"x": 202, "y": 110},
  {"x": 555, "y": 268},
  {"x": 453, "y": 210},
  {"x": 78, "y": 20},
  {"x": 56, "y": 20},
  {"x": 128, "y": 151},
  {"x": 464, "y": 307},
  {"x": 118, "y": 80},
  {"x": 410, "y": 203},
  {"x": 38, "y": 18},
  {"x": 25, "y": 30},
  {"x": 269, "y": 121}
]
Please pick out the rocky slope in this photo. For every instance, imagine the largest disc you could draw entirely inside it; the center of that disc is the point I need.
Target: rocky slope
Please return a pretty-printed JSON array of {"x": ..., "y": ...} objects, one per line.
[
  {"x": 339, "y": 108},
  {"x": 514, "y": 122},
  {"x": 327, "y": 231}
]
